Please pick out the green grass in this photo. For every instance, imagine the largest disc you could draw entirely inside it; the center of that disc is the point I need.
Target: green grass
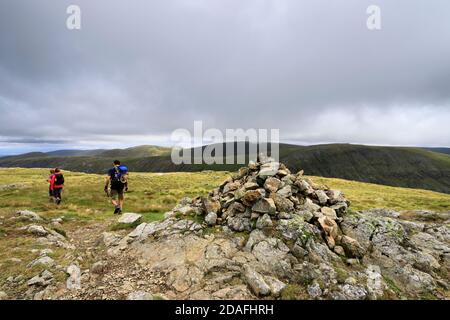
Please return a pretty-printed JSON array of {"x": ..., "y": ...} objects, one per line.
[{"x": 367, "y": 195}]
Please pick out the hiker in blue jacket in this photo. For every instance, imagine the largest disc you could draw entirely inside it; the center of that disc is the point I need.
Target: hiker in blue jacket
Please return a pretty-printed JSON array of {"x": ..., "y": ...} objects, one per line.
[{"x": 116, "y": 185}]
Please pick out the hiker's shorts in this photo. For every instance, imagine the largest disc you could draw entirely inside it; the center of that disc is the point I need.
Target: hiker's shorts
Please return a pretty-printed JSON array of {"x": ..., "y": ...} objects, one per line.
[{"x": 117, "y": 194}]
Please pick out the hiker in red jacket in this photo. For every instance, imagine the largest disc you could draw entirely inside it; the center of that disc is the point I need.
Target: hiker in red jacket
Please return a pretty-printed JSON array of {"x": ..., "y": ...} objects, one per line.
[
  {"x": 57, "y": 185},
  {"x": 50, "y": 191}
]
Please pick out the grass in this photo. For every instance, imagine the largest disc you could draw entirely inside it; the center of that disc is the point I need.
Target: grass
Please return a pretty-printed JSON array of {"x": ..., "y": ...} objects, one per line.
[
  {"x": 367, "y": 195},
  {"x": 294, "y": 292}
]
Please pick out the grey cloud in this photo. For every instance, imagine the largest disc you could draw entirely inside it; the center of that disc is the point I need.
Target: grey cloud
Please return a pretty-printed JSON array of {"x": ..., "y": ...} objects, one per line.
[{"x": 144, "y": 68}]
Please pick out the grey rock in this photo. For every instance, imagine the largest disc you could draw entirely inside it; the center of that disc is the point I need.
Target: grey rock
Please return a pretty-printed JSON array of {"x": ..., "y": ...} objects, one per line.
[
  {"x": 375, "y": 284},
  {"x": 268, "y": 170},
  {"x": 304, "y": 187},
  {"x": 74, "y": 280},
  {"x": 351, "y": 292},
  {"x": 251, "y": 186},
  {"x": 321, "y": 196},
  {"x": 29, "y": 215},
  {"x": 284, "y": 215},
  {"x": 309, "y": 206},
  {"x": 231, "y": 186},
  {"x": 264, "y": 222},
  {"x": 285, "y": 191},
  {"x": 255, "y": 237},
  {"x": 276, "y": 286},
  {"x": 239, "y": 224},
  {"x": 272, "y": 254},
  {"x": 352, "y": 247},
  {"x": 36, "y": 281},
  {"x": 329, "y": 212},
  {"x": 282, "y": 204},
  {"x": 251, "y": 196},
  {"x": 140, "y": 295},
  {"x": 43, "y": 261},
  {"x": 110, "y": 239},
  {"x": 46, "y": 275},
  {"x": 265, "y": 205},
  {"x": 42, "y": 280},
  {"x": 211, "y": 205},
  {"x": 314, "y": 291},
  {"x": 335, "y": 196},
  {"x": 256, "y": 282},
  {"x": 340, "y": 208},
  {"x": 211, "y": 219},
  {"x": 130, "y": 218},
  {"x": 37, "y": 230},
  {"x": 272, "y": 184}
]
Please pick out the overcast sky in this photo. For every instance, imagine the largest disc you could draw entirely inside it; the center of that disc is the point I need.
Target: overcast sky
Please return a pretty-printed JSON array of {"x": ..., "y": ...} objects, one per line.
[{"x": 137, "y": 70}]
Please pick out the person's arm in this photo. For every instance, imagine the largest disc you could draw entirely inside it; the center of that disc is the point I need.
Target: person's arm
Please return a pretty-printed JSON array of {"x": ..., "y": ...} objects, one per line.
[{"x": 107, "y": 181}]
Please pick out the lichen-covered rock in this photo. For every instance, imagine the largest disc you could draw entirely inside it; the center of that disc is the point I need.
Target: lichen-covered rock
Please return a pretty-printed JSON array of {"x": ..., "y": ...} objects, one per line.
[
  {"x": 272, "y": 184},
  {"x": 265, "y": 205},
  {"x": 264, "y": 222}
]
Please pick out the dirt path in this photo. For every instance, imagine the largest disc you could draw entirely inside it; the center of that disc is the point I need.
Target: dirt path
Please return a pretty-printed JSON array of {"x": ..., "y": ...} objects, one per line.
[{"x": 105, "y": 277}]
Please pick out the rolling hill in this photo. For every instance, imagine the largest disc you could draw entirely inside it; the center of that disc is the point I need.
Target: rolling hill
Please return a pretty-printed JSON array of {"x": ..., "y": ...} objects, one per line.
[{"x": 393, "y": 166}]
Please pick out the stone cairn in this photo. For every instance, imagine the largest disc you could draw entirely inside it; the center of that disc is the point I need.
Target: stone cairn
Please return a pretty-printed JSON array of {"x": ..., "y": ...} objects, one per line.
[{"x": 266, "y": 194}]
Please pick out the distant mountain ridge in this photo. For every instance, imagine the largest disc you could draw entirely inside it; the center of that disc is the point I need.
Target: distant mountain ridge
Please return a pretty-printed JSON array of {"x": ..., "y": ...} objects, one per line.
[
  {"x": 439, "y": 150},
  {"x": 394, "y": 166}
]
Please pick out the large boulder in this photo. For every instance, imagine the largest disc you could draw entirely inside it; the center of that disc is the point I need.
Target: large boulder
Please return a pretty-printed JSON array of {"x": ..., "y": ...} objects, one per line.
[{"x": 130, "y": 218}]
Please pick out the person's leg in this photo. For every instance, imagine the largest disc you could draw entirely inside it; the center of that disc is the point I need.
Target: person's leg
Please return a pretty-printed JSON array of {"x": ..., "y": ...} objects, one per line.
[
  {"x": 121, "y": 200},
  {"x": 57, "y": 195},
  {"x": 115, "y": 200},
  {"x": 50, "y": 195}
]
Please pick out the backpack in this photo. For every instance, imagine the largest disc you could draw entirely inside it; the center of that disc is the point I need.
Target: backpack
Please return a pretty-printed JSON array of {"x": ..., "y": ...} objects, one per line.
[
  {"x": 59, "y": 180},
  {"x": 120, "y": 174}
]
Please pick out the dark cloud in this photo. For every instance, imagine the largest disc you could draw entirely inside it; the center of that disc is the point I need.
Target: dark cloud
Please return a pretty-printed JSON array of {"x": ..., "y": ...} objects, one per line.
[{"x": 140, "y": 69}]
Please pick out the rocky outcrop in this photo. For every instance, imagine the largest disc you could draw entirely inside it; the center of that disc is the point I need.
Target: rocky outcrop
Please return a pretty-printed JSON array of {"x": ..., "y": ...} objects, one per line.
[{"x": 265, "y": 231}]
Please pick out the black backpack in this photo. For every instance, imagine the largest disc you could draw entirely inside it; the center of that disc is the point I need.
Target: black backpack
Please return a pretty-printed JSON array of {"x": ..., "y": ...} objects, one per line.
[{"x": 59, "y": 180}]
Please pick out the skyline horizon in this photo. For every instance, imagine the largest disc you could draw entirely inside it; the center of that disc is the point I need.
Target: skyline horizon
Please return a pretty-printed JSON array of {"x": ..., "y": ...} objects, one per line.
[{"x": 59, "y": 147}]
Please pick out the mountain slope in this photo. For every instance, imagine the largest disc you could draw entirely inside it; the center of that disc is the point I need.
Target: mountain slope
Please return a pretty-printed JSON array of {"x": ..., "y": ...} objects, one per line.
[
  {"x": 439, "y": 150},
  {"x": 394, "y": 166}
]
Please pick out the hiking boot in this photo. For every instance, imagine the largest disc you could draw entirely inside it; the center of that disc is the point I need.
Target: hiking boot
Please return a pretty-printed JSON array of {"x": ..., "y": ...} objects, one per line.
[
  {"x": 120, "y": 211},
  {"x": 58, "y": 201},
  {"x": 116, "y": 211}
]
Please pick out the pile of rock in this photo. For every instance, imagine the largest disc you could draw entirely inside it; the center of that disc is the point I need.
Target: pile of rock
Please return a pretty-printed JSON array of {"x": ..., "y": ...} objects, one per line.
[{"x": 267, "y": 195}]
